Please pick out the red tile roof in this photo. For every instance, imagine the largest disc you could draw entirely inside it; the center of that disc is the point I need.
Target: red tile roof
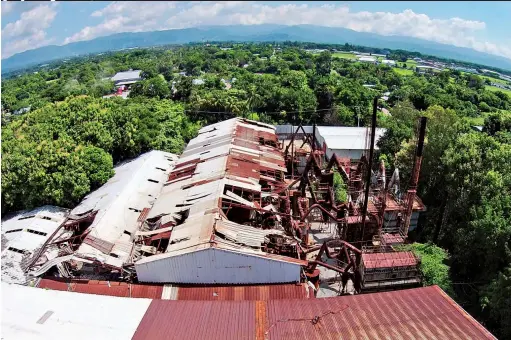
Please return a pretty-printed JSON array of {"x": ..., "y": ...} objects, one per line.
[
  {"x": 390, "y": 259},
  {"x": 420, "y": 313}
]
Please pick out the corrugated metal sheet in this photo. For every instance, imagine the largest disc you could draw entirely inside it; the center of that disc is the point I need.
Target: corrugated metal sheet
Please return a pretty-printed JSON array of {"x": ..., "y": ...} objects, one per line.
[
  {"x": 420, "y": 313},
  {"x": 246, "y": 293},
  {"x": 217, "y": 266},
  {"x": 53, "y": 285},
  {"x": 390, "y": 259},
  {"x": 109, "y": 288},
  {"x": 211, "y": 320},
  {"x": 103, "y": 288},
  {"x": 146, "y": 291}
]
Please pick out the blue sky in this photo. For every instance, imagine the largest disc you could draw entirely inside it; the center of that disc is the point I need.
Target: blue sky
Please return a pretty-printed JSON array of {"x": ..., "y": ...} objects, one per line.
[{"x": 483, "y": 26}]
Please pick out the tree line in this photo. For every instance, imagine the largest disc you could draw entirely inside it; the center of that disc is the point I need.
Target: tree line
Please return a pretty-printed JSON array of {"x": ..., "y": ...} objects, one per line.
[{"x": 67, "y": 144}]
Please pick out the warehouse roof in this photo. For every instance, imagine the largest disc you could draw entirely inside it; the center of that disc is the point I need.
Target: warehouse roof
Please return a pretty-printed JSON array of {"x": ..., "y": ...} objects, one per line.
[
  {"x": 180, "y": 292},
  {"x": 229, "y": 154},
  {"x": 412, "y": 313},
  {"x": 32, "y": 313},
  {"x": 347, "y": 138},
  {"x": 119, "y": 203},
  {"x": 24, "y": 232},
  {"x": 126, "y": 76}
]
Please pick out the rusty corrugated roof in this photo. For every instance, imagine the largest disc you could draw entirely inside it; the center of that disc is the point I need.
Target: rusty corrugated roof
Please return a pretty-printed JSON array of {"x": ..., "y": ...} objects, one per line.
[
  {"x": 389, "y": 259},
  {"x": 246, "y": 293},
  {"x": 210, "y": 320},
  {"x": 420, "y": 313}
]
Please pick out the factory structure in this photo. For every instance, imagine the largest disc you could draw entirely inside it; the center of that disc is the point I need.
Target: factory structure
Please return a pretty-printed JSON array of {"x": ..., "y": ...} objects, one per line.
[
  {"x": 242, "y": 214},
  {"x": 236, "y": 207}
]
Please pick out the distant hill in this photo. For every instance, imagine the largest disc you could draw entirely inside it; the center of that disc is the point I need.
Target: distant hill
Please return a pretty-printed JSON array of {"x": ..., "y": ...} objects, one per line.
[{"x": 252, "y": 33}]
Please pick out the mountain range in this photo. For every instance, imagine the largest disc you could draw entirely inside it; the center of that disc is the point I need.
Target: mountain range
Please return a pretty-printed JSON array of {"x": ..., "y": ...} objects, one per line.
[{"x": 250, "y": 33}]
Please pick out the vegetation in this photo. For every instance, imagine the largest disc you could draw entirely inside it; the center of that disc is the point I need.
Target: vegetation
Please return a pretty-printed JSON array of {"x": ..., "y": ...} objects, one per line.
[
  {"x": 67, "y": 144},
  {"x": 433, "y": 266},
  {"x": 340, "y": 189}
]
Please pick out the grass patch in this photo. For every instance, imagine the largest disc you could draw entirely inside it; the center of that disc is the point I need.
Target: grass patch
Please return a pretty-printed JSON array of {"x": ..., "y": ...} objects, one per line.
[
  {"x": 475, "y": 120},
  {"x": 403, "y": 71},
  {"x": 344, "y": 55},
  {"x": 496, "y": 89},
  {"x": 496, "y": 80}
]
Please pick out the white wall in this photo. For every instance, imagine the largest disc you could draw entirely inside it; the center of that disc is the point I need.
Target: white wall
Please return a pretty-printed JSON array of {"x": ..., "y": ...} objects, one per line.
[
  {"x": 213, "y": 266},
  {"x": 352, "y": 154}
]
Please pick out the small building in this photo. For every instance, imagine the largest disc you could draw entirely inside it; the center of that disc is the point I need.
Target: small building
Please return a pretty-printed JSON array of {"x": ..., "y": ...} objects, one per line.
[
  {"x": 388, "y": 62},
  {"x": 198, "y": 82},
  {"x": 182, "y": 73},
  {"x": 367, "y": 59},
  {"x": 127, "y": 77},
  {"x": 381, "y": 271},
  {"x": 345, "y": 142},
  {"x": 478, "y": 128}
]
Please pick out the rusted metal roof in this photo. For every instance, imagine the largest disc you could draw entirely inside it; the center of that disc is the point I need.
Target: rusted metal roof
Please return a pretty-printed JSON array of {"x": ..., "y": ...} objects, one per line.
[
  {"x": 390, "y": 259},
  {"x": 246, "y": 293},
  {"x": 420, "y": 313},
  {"x": 108, "y": 288},
  {"x": 198, "y": 320}
]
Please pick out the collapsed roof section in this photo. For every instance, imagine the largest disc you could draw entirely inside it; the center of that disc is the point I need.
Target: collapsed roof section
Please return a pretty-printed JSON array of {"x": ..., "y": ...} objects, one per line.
[
  {"x": 117, "y": 206},
  {"x": 213, "y": 190},
  {"x": 23, "y": 233}
]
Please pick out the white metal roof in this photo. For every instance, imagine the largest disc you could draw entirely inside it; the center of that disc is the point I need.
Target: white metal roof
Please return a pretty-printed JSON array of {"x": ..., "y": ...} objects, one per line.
[
  {"x": 118, "y": 203},
  {"x": 27, "y": 231},
  {"x": 126, "y": 75},
  {"x": 346, "y": 138},
  {"x": 34, "y": 313},
  {"x": 367, "y": 59}
]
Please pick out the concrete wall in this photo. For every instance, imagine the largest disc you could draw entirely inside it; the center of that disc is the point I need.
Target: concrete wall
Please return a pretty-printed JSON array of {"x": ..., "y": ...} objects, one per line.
[{"x": 212, "y": 266}]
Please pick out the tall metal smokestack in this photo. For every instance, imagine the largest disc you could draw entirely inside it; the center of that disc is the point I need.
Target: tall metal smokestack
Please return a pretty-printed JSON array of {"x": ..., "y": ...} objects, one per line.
[
  {"x": 414, "y": 180},
  {"x": 370, "y": 165}
]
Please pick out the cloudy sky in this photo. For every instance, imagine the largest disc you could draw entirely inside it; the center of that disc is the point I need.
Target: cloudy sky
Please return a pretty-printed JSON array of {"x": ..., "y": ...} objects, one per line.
[{"x": 483, "y": 26}]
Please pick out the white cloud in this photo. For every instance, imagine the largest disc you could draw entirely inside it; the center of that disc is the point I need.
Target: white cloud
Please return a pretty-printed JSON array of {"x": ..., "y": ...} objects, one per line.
[
  {"x": 29, "y": 31},
  {"x": 147, "y": 16}
]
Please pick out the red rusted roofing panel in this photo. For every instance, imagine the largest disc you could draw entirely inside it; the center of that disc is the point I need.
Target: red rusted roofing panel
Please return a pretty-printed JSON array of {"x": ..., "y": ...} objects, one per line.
[
  {"x": 243, "y": 293},
  {"x": 392, "y": 238},
  {"x": 53, "y": 284},
  {"x": 192, "y": 161},
  {"x": 390, "y": 259},
  {"x": 143, "y": 214},
  {"x": 103, "y": 288},
  {"x": 198, "y": 320},
  {"x": 99, "y": 244},
  {"x": 146, "y": 291},
  {"x": 420, "y": 313}
]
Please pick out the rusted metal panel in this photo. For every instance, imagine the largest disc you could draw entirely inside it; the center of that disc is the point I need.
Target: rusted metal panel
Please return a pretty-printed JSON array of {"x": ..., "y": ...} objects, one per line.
[
  {"x": 211, "y": 320},
  {"x": 53, "y": 284},
  {"x": 103, "y": 288},
  {"x": 143, "y": 215},
  {"x": 410, "y": 314},
  {"x": 146, "y": 291},
  {"x": 245, "y": 293},
  {"x": 421, "y": 313},
  {"x": 99, "y": 244},
  {"x": 390, "y": 259}
]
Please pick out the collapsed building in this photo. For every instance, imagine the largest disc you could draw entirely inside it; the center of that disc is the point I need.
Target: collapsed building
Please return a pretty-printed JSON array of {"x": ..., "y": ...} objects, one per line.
[{"x": 235, "y": 208}]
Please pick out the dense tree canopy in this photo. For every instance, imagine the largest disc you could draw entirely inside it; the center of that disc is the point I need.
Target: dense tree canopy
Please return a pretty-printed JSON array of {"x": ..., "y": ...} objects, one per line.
[{"x": 67, "y": 144}]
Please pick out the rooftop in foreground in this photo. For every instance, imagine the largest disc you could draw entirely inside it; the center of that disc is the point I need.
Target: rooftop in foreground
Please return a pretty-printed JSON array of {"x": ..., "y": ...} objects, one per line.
[{"x": 421, "y": 313}]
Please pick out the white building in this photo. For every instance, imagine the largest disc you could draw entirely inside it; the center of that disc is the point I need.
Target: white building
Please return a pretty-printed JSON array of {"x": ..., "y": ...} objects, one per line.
[
  {"x": 23, "y": 233},
  {"x": 346, "y": 142},
  {"x": 367, "y": 59},
  {"x": 126, "y": 78},
  {"x": 388, "y": 62}
]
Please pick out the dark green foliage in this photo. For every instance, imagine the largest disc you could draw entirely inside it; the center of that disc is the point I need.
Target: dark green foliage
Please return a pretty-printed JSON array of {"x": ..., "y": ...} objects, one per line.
[{"x": 434, "y": 267}]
